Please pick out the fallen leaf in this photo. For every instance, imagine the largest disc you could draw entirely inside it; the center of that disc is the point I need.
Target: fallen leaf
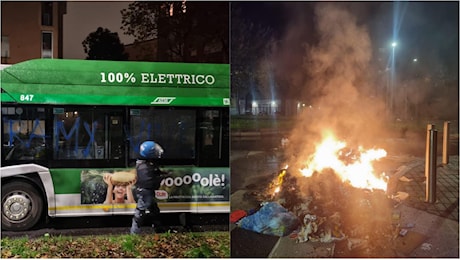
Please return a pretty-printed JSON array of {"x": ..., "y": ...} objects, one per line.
[{"x": 405, "y": 179}]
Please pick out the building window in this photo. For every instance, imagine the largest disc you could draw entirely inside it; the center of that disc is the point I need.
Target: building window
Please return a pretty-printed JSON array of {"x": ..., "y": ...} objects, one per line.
[
  {"x": 47, "y": 13},
  {"x": 47, "y": 45},
  {"x": 5, "y": 47}
]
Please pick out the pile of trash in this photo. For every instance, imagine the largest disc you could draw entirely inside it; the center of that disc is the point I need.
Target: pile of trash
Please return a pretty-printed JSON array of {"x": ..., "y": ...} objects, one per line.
[
  {"x": 271, "y": 219},
  {"x": 322, "y": 208}
]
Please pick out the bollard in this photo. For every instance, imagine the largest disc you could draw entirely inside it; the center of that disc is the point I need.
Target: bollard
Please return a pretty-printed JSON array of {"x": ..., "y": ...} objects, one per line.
[
  {"x": 430, "y": 164},
  {"x": 445, "y": 143}
]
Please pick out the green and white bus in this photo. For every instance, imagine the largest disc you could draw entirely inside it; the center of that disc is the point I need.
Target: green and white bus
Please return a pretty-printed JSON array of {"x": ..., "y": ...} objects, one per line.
[{"x": 68, "y": 124}]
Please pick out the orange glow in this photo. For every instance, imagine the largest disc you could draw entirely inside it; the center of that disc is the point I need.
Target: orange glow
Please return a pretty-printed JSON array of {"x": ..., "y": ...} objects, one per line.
[
  {"x": 358, "y": 172},
  {"x": 279, "y": 181}
]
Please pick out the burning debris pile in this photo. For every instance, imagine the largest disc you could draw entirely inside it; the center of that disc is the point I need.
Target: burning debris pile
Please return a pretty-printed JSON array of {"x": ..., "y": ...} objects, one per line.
[
  {"x": 332, "y": 188},
  {"x": 332, "y": 210},
  {"x": 337, "y": 197}
]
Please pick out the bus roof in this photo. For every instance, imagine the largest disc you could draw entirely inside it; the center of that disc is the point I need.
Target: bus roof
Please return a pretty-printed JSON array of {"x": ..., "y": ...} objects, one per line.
[
  {"x": 2, "y": 66},
  {"x": 89, "y": 82}
]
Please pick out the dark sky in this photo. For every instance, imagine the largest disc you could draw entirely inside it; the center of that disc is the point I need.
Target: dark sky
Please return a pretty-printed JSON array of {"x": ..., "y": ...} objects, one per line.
[
  {"x": 423, "y": 30},
  {"x": 268, "y": 13},
  {"x": 83, "y": 18},
  {"x": 427, "y": 30}
]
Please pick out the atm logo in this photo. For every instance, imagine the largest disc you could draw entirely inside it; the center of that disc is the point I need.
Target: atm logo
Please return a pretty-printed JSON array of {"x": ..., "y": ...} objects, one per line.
[{"x": 163, "y": 100}]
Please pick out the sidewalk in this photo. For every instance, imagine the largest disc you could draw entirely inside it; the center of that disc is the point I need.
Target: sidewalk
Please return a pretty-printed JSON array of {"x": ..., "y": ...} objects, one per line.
[
  {"x": 437, "y": 221},
  {"x": 431, "y": 237},
  {"x": 433, "y": 227}
]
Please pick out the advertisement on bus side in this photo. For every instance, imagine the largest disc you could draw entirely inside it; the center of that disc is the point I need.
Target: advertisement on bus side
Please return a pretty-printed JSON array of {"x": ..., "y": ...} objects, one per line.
[{"x": 182, "y": 184}]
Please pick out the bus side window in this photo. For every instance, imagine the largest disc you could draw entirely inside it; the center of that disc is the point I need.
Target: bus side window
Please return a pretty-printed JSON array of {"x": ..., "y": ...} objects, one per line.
[
  {"x": 173, "y": 129},
  {"x": 82, "y": 133},
  {"x": 23, "y": 133},
  {"x": 214, "y": 137}
]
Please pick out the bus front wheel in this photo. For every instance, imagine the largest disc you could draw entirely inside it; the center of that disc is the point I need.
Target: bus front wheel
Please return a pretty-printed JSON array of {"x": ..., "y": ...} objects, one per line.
[{"x": 22, "y": 206}]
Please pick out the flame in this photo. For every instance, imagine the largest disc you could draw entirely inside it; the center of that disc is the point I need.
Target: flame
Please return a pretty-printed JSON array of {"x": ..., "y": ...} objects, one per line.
[
  {"x": 359, "y": 172},
  {"x": 279, "y": 181}
]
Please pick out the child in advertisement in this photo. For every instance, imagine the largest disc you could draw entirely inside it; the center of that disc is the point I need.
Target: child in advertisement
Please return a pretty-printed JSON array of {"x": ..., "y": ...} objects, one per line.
[{"x": 119, "y": 187}]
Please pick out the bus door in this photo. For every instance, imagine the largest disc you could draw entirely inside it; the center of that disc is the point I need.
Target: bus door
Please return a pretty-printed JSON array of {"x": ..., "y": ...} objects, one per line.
[
  {"x": 89, "y": 155},
  {"x": 120, "y": 196},
  {"x": 116, "y": 140},
  {"x": 123, "y": 179},
  {"x": 117, "y": 150}
]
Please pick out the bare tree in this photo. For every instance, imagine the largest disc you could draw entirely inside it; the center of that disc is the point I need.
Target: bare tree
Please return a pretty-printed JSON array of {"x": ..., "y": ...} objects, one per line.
[
  {"x": 248, "y": 48},
  {"x": 185, "y": 31}
]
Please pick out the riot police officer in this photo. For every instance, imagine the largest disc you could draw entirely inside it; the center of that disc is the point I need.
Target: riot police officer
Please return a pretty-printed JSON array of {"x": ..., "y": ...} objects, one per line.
[{"x": 149, "y": 177}]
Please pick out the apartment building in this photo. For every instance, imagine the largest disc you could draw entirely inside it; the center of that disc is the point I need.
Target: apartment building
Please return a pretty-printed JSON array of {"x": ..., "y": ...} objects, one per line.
[{"x": 31, "y": 30}]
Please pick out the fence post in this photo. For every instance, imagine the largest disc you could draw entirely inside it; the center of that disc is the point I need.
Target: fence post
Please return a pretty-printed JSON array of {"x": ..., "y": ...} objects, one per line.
[
  {"x": 430, "y": 164},
  {"x": 445, "y": 143}
]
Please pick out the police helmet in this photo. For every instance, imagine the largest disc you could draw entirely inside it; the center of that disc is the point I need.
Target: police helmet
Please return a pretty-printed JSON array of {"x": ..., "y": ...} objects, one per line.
[{"x": 150, "y": 150}]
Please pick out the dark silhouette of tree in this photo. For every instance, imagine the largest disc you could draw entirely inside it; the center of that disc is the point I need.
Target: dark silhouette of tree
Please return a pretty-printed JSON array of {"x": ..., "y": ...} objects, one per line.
[
  {"x": 188, "y": 32},
  {"x": 104, "y": 45},
  {"x": 249, "y": 48}
]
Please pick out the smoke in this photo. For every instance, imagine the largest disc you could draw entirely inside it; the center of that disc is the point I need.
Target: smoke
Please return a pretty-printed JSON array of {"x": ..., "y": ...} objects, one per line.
[
  {"x": 338, "y": 83},
  {"x": 340, "y": 98}
]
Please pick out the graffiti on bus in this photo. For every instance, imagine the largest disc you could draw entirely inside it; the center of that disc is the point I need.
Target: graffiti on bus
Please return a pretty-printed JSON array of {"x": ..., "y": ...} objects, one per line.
[
  {"x": 24, "y": 143},
  {"x": 169, "y": 134},
  {"x": 144, "y": 133},
  {"x": 74, "y": 133},
  {"x": 71, "y": 141}
]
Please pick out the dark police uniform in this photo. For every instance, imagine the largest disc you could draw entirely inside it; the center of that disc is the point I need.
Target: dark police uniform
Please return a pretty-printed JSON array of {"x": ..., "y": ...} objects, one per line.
[{"x": 149, "y": 178}]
